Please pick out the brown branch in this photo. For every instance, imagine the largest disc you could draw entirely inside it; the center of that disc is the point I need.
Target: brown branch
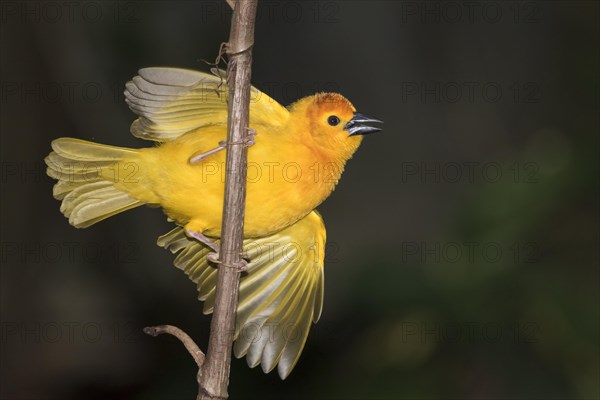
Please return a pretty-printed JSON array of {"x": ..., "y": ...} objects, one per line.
[
  {"x": 213, "y": 370},
  {"x": 213, "y": 378},
  {"x": 187, "y": 341}
]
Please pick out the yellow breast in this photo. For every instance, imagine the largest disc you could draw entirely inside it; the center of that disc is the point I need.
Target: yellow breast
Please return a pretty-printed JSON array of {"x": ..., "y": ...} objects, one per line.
[{"x": 286, "y": 180}]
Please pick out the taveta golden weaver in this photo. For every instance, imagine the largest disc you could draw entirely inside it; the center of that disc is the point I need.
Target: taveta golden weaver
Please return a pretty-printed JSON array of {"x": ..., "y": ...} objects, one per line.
[{"x": 295, "y": 159}]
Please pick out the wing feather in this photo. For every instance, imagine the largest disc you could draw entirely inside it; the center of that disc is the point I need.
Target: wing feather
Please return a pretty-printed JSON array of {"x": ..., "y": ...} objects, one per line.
[
  {"x": 279, "y": 296},
  {"x": 174, "y": 101}
]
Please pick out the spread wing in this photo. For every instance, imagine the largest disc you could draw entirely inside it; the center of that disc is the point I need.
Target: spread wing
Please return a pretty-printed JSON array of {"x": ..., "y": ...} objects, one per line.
[
  {"x": 174, "y": 101},
  {"x": 279, "y": 297}
]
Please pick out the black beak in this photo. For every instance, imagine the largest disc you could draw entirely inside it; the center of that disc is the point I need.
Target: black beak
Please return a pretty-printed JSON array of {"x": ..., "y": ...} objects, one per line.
[{"x": 357, "y": 125}]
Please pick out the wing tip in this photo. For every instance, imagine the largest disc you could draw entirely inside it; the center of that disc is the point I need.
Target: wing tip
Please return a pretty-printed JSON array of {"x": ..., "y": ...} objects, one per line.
[{"x": 172, "y": 76}]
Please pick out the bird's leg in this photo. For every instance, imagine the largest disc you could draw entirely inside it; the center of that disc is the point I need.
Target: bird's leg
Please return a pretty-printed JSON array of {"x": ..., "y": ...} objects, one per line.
[
  {"x": 203, "y": 239},
  {"x": 214, "y": 256},
  {"x": 196, "y": 158},
  {"x": 247, "y": 141}
]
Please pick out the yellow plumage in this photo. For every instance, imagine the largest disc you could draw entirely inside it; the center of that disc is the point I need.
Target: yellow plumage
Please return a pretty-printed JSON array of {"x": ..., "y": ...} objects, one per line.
[{"x": 297, "y": 159}]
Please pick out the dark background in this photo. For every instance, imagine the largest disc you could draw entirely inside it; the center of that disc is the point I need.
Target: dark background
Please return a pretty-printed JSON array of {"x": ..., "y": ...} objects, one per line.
[{"x": 463, "y": 256}]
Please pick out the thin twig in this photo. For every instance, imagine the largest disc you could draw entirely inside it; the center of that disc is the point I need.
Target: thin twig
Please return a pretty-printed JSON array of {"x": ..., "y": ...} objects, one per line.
[
  {"x": 187, "y": 341},
  {"x": 214, "y": 377}
]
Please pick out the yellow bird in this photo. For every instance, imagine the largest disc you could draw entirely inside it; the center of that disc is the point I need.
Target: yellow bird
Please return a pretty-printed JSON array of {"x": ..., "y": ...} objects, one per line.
[{"x": 295, "y": 159}]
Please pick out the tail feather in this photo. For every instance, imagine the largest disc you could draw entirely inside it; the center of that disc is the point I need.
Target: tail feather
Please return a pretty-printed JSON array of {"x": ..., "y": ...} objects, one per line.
[
  {"x": 81, "y": 150},
  {"x": 87, "y": 195},
  {"x": 74, "y": 171}
]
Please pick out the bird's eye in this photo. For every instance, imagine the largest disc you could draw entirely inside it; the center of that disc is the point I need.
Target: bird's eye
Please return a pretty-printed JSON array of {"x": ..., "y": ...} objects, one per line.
[{"x": 333, "y": 120}]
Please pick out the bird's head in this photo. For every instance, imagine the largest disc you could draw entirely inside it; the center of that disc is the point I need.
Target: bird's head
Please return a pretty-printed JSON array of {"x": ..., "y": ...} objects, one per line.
[{"x": 332, "y": 123}]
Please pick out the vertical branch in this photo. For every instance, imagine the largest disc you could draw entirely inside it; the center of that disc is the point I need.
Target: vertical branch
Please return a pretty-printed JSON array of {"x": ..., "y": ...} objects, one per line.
[{"x": 213, "y": 377}]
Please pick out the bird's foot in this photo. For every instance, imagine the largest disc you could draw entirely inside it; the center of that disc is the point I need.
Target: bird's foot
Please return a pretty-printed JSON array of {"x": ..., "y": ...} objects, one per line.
[
  {"x": 214, "y": 258},
  {"x": 247, "y": 141},
  {"x": 250, "y": 138}
]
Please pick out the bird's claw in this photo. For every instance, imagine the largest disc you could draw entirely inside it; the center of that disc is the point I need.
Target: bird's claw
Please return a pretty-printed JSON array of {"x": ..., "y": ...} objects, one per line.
[
  {"x": 214, "y": 258},
  {"x": 250, "y": 138}
]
